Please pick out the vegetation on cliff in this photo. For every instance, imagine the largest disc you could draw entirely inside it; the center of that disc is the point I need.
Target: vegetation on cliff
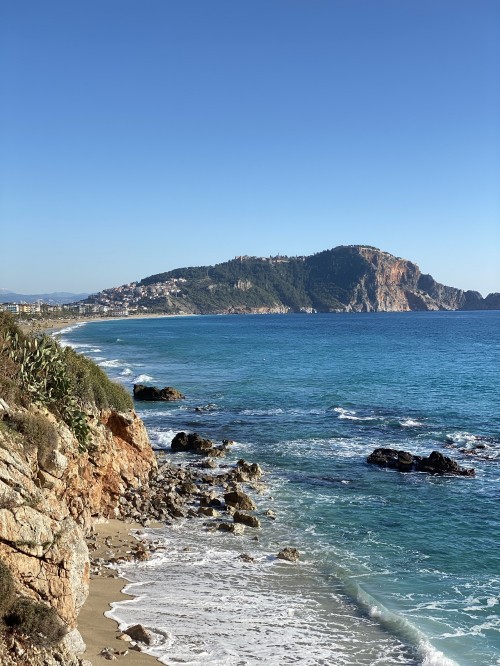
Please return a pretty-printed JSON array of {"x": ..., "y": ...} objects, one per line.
[{"x": 37, "y": 370}]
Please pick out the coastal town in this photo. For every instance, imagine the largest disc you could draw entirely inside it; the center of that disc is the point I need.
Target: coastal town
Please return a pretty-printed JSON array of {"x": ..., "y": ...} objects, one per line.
[{"x": 129, "y": 299}]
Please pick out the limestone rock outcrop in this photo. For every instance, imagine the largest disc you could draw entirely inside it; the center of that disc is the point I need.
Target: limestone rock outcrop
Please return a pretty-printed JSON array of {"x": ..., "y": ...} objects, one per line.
[{"x": 50, "y": 496}]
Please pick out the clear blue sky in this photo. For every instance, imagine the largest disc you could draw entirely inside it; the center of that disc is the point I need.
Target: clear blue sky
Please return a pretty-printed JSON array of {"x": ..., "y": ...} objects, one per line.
[{"x": 137, "y": 137}]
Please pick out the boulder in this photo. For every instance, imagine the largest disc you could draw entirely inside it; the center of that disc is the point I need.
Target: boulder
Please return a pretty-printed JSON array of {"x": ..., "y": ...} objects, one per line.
[
  {"x": 246, "y": 519},
  {"x": 208, "y": 511},
  {"x": 140, "y": 634},
  {"x": 246, "y": 472},
  {"x": 289, "y": 554},
  {"x": 437, "y": 463},
  {"x": 235, "y": 528},
  {"x": 195, "y": 443},
  {"x": 239, "y": 500},
  {"x": 403, "y": 461},
  {"x": 152, "y": 393}
]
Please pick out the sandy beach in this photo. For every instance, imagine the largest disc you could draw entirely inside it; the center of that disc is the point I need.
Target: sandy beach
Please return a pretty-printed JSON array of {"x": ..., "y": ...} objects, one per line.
[
  {"x": 113, "y": 541},
  {"x": 57, "y": 324}
]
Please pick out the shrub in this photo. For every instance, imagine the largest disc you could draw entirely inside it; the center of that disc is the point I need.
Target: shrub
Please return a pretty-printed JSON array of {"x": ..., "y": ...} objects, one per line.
[
  {"x": 40, "y": 434},
  {"x": 40, "y": 623},
  {"x": 9, "y": 369},
  {"x": 36, "y": 369},
  {"x": 7, "y": 588},
  {"x": 92, "y": 386}
]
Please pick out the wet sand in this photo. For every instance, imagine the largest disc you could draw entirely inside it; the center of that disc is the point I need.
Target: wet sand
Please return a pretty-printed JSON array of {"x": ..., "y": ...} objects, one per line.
[{"x": 98, "y": 631}]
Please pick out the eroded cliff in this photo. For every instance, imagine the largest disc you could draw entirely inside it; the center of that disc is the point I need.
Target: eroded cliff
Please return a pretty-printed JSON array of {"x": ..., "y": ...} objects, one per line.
[
  {"x": 54, "y": 483},
  {"x": 49, "y": 500}
]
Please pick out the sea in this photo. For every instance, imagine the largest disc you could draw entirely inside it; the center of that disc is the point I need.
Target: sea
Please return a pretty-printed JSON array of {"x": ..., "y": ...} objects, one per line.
[{"x": 395, "y": 568}]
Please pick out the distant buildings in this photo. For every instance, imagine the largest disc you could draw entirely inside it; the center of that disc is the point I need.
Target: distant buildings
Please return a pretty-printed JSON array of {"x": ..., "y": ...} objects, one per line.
[{"x": 68, "y": 309}]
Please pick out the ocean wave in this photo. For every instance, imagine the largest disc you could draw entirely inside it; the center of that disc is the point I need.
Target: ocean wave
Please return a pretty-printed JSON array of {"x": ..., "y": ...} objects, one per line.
[
  {"x": 481, "y": 446},
  {"x": 223, "y": 611},
  {"x": 411, "y": 423},
  {"x": 112, "y": 363},
  {"x": 126, "y": 372},
  {"x": 162, "y": 439},
  {"x": 143, "y": 378},
  {"x": 351, "y": 415},
  {"x": 401, "y": 627},
  {"x": 68, "y": 329}
]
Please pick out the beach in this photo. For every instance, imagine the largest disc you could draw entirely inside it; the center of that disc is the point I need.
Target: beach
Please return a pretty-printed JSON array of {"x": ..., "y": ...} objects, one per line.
[
  {"x": 113, "y": 541},
  {"x": 58, "y": 324}
]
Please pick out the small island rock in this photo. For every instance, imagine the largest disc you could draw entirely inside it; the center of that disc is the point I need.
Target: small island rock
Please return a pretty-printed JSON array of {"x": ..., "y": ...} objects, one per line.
[
  {"x": 435, "y": 463},
  {"x": 152, "y": 393}
]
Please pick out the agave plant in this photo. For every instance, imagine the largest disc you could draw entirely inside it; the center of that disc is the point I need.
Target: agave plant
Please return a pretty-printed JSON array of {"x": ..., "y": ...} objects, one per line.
[{"x": 44, "y": 376}]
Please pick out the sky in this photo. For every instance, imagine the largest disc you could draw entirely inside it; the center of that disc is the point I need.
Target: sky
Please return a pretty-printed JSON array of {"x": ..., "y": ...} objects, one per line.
[{"x": 137, "y": 137}]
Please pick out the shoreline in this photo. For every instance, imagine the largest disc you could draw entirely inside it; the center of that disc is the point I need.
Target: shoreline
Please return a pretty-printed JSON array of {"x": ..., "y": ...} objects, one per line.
[
  {"x": 52, "y": 326},
  {"x": 113, "y": 541}
]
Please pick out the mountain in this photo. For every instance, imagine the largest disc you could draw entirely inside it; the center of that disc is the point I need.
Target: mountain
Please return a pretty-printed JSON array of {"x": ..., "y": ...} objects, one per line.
[
  {"x": 55, "y": 298},
  {"x": 352, "y": 278}
]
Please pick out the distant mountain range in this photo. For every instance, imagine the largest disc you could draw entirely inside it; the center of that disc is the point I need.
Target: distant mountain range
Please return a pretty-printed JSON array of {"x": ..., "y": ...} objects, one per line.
[
  {"x": 56, "y": 298},
  {"x": 353, "y": 278}
]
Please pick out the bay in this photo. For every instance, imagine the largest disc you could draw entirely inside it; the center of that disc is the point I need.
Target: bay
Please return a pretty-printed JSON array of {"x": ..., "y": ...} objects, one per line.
[{"x": 395, "y": 568}]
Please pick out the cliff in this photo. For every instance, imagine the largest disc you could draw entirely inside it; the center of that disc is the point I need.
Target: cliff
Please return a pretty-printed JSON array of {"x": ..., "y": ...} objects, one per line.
[
  {"x": 351, "y": 278},
  {"x": 54, "y": 483}
]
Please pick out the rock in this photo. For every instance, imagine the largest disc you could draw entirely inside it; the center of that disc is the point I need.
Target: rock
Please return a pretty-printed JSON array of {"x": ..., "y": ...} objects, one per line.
[
  {"x": 436, "y": 463},
  {"x": 246, "y": 558},
  {"x": 195, "y": 443},
  {"x": 270, "y": 514},
  {"x": 208, "y": 511},
  {"x": 246, "y": 519},
  {"x": 403, "y": 461},
  {"x": 152, "y": 393},
  {"x": 246, "y": 472},
  {"x": 140, "y": 634},
  {"x": 235, "y": 528},
  {"x": 74, "y": 642},
  {"x": 289, "y": 554},
  {"x": 108, "y": 653},
  {"x": 239, "y": 500}
]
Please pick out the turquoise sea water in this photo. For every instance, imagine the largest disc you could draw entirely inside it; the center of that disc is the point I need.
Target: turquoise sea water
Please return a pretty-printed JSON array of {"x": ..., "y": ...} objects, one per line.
[{"x": 395, "y": 568}]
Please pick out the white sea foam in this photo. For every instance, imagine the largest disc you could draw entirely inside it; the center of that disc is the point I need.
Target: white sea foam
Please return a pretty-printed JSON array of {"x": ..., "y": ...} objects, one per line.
[
  {"x": 161, "y": 439},
  {"x": 112, "y": 363},
  {"x": 351, "y": 415},
  {"x": 410, "y": 423},
  {"x": 126, "y": 372},
  {"x": 143, "y": 378},
  {"x": 214, "y": 609},
  {"x": 68, "y": 329}
]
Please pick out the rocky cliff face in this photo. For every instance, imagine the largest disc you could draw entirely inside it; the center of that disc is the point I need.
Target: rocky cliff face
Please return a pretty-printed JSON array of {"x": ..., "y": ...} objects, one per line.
[
  {"x": 389, "y": 283},
  {"x": 49, "y": 497}
]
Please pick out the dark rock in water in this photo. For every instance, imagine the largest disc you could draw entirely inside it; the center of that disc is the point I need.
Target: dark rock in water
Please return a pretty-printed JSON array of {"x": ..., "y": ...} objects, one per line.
[
  {"x": 246, "y": 472},
  {"x": 239, "y": 500},
  {"x": 289, "y": 554},
  {"x": 152, "y": 393},
  {"x": 246, "y": 558},
  {"x": 436, "y": 463},
  {"x": 234, "y": 528},
  {"x": 208, "y": 511},
  {"x": 246, "y": 519},
  {"x": 138, "y": 633},
  {"x": 403, "y": 461},
  {"x": 195, "y": 443}
]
